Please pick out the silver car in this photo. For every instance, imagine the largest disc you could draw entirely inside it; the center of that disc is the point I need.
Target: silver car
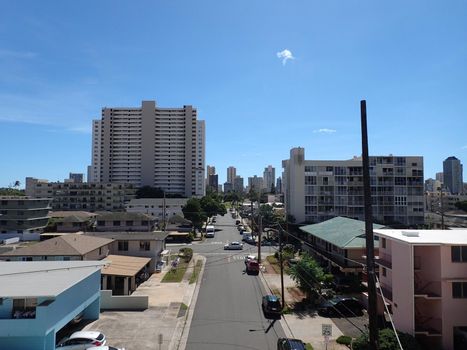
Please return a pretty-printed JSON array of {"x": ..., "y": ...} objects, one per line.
[{"x": 233, "y": 246}]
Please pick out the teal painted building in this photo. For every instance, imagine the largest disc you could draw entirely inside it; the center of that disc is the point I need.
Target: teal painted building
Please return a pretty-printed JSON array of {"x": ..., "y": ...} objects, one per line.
[{"x": 39, "y": 298}]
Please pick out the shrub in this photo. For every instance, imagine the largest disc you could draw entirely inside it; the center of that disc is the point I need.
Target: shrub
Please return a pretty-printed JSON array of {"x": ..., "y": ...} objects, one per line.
[
  {"x": 187, "y": 254},
  {"x": 387, "y": 341},
  {"x": 344, "y": 340}
]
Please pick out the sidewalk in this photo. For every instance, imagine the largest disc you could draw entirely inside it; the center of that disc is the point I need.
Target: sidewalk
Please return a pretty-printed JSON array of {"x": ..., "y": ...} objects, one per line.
[
  {"x": 170, "y": 309},
  {"x": 305, "y": 325}
]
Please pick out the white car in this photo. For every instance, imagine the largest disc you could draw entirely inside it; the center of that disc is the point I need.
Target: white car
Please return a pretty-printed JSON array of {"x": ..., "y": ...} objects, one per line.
[
  {"x": 82, "y": 341},
  {"x": 104, "y": 348},
  {"x": 249, "y": 258},
  {"x": 233, "y": 246}
]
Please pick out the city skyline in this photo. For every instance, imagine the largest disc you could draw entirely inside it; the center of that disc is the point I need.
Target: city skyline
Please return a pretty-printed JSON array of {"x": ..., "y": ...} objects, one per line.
[{"x": 262, "y": 89}]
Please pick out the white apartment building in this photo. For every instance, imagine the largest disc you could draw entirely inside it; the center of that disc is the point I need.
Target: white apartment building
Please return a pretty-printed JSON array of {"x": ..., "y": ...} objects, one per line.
[
  {"x": 150, "y": 146},
  {"x": 318, "y": 190},
  {"x": 157, "y": 206},
  {"x": 269, "y": 177},
  {"x": 231, "y": 174}
]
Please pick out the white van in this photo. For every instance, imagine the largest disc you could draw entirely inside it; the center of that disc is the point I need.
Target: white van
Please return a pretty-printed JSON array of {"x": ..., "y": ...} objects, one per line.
[{"x": 210, "y": 231}]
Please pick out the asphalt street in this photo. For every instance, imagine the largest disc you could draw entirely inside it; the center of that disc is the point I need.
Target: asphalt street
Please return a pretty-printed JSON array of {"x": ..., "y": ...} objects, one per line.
[{"x": 228, "y": 311}]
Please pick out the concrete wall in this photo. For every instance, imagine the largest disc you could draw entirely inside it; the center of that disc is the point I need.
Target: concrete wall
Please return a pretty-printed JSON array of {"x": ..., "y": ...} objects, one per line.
[
  {"x": 402, "y": 287},
  {"x": 123, "y": 302}
]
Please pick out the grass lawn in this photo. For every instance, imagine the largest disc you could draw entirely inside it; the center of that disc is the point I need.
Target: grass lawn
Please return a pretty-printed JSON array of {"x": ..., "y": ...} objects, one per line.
[
  {"x": 196, "y": 270},
  {"x": 176, "y": 274},
  {"x": 274, "y": 263},
  {"x": 308, "y": 346}
]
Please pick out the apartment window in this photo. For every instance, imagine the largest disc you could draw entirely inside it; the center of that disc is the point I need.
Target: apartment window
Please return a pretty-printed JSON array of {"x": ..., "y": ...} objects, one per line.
[
  {"x": 145, "y": 245},
  {"x": 459, "y": 290},
  {"x": 100, "y": 250},
  {"x": 116, "y": 223},
  {"x": 100, "y": 223},
  {"x": 123, "y": 246},
  {"x": 459, "y": 253},
  {"x": 384, "y": 271},
  {"x": 383, "y": 244},
  {"x": 129, "y": 223}
]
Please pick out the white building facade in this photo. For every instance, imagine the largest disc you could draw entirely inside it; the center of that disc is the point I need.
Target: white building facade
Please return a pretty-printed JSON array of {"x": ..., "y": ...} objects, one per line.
[
  {"x": 318, "y": 190},
  {"x": 150, "y": 146}
]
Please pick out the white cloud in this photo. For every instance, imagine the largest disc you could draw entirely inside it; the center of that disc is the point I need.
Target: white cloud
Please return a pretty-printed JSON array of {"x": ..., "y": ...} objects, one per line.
[
  {"x": 285, "y": 55},
  {"x": 325, "y": 131}
]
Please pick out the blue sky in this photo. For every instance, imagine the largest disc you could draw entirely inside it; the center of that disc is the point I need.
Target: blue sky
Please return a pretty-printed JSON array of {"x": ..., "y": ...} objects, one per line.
[{"x": 62, "y": 61}]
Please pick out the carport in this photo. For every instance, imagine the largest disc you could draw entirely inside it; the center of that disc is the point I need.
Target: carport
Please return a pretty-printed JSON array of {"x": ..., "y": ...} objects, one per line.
[{"x": 124, "y": 273}]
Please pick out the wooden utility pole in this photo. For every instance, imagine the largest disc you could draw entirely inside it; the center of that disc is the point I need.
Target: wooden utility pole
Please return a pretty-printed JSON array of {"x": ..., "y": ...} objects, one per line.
[
  {"x": 260, "y": 228},
  {"x": 281, "y": 265},
  {"x": 370, "y": 249}
]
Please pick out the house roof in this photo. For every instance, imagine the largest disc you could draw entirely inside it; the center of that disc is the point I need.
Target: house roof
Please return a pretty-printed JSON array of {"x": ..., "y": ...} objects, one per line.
[
  {"x": 108, "y": 216},
  {"x": 426, "y": 237},
  {"x": 30, "y": 279},
  {"x": 72, "y": 244},
  {"x": 73, "y": 218},
  {"x": 131, "y": 236},
  {"x": 343, "y": 232},
  {"x": 78, "y": 213},
  {"x": 120, "y": 265},
  {"x": 178, "y": 219}
]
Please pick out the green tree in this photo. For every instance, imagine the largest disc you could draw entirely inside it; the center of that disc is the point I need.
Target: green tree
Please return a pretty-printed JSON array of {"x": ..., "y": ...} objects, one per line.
[
  {"x": 461, "y": 205},
  {"x": 193, "y": 211},
  {"x": 387, "y": 341},
  {"x": 267, "y": 213},
  {"x": 212, "y": 206},
  {"x": 308, "y": 275},
  {"x": 11, "y": 192}
]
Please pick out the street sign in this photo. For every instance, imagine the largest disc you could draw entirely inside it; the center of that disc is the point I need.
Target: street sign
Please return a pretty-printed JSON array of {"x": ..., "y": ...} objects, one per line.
[{"x": 326, "y": 330}]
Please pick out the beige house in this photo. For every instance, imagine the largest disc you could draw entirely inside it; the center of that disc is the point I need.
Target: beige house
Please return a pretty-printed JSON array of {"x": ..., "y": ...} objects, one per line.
[
  {"x": 118, "y": 221},
  {"x": 66, "y": 247},
  {"x": 73, "y": 221},
  {"x": 140, "y": 244},
  {"x": 122, "y": 274}
]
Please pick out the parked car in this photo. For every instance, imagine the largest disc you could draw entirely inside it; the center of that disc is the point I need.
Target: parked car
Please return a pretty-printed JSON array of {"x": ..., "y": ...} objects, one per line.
[
  {"x": 290, "y": 344},
  {"x": 233, "y": 246},
  {"x": 240, "y": 227},
  {"x": 83, "y": 340},
  {"x": 341, "y": 306},
  {"x": 252, "y": 267},
  {"x": 271, "y": 306},
  {"x": 248, "y": 238},
  {"x": 249, "y": 257},
  {"x": 159, "y": 266},
  {"x": 104, "y": 348}
]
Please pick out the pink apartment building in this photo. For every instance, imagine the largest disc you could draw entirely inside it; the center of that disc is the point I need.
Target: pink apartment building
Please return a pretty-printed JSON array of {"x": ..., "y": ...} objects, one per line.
[{"x": 423, "y": 276}]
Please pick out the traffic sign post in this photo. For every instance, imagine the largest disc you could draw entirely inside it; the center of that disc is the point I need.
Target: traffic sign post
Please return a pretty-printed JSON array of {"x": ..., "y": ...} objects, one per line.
[
  {"x": 326, "y": 331},
  {"x": 160, "y": 340}
]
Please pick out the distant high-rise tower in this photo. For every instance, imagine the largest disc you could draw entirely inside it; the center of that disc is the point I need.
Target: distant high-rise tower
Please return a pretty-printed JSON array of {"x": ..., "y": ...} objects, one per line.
[
  {"x": 269, "y": 178},
  {"x": 231, "y": 174},
  {"x": 238, "y": 184},
  {"x": 452, "y": 173},
  {"x": 150, "y": 146},
  {"x": 439, "y": 177},
  {"x": 279, "y": 185}
]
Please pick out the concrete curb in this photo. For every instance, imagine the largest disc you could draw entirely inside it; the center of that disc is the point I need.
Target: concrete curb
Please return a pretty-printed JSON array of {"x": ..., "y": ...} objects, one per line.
[{"x": 183, "y": 326}]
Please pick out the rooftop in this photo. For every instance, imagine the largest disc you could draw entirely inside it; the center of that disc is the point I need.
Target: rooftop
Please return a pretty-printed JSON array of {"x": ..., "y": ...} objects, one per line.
[
  {"x": 120, "y": 265},
  {"x": 342, "y": 232},
  {"x": 129, "y": 236},
  {"x": 425, "y": 237},
  {"x": 108, "y": 216},
  {"x": 42, "y": 278},
  {"x": 72, "y": 244},
  {"x": 77, "y": 213}
]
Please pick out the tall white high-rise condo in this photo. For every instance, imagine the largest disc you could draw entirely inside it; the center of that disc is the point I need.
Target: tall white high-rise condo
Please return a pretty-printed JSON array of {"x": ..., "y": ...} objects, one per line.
[
  {"x": 231, "y": 174},
  {"x": 149, "y": 146}
]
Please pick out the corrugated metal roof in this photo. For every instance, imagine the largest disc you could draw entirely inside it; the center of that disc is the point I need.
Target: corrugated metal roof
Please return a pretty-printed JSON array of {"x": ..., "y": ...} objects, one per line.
[
  {"x": 120, "y": 265},
  {"x": 342, "y": 232}
]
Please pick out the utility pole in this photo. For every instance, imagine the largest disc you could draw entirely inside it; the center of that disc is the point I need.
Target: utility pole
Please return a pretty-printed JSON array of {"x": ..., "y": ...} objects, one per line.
[
  {"x": 281, "y": 264},
  {"x": 441, "y": 208},
  {"x": 260, "y": 228},
  {"x": 163, "y": 212},
  {"x": 370, "y": 249}
]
